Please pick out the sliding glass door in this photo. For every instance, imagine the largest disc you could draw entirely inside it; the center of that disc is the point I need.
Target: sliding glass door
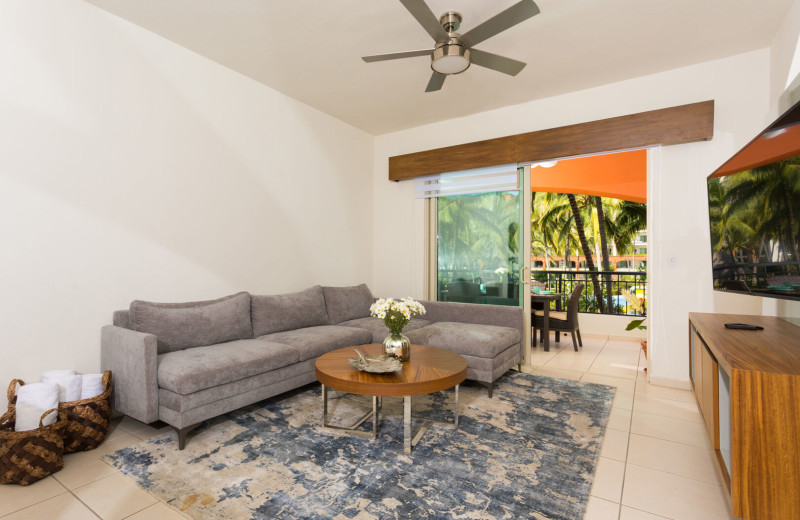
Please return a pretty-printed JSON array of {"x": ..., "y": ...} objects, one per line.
[{"x": 478, "y": 237}]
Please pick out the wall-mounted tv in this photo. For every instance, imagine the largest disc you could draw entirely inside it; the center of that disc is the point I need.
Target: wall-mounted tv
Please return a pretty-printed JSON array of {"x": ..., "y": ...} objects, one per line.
[{"x": 754, "y": 214}]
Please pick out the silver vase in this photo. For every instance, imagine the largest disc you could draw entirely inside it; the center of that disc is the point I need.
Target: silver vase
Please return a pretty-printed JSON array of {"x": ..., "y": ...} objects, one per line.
[{"x": 398, "y": 346}]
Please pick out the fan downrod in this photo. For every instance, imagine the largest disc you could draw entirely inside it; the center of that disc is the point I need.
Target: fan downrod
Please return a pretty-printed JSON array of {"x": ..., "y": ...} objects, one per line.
[{"x": 451, "y": 21}]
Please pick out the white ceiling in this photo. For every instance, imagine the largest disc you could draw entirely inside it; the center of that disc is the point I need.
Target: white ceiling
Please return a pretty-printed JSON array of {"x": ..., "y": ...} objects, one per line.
[{"x": 311, "y": 49}]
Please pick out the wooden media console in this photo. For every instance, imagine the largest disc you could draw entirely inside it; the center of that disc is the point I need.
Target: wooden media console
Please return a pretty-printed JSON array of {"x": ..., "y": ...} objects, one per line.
[{"x": 747, "y": 384}]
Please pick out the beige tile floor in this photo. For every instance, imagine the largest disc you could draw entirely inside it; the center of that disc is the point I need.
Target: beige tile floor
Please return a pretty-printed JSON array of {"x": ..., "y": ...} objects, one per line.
[
  {"x": 88, "y": 488},
  {"x": 655, "y": 463}
]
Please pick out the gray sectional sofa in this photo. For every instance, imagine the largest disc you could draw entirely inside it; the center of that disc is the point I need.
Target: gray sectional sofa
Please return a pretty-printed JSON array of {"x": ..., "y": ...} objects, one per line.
[{"x": 183, "y": 363}]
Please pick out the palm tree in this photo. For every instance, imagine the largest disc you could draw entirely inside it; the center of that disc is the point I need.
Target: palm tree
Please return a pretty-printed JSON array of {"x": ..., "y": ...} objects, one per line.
[
  {"x": 587, "y": 252},
  {"x": 629, "y": 217},
  {"x": 768, "y": 191},
  {"x": 601, "y": 220},
  {"x": 729, "y": 232}
]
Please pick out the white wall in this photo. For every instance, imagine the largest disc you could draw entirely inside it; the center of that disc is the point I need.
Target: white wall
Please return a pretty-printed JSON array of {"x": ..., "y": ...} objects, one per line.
[
  {"x": 739, "y": 85},
  {"x": 131, "y": 168},
  {"x": 784, "y": 57}
]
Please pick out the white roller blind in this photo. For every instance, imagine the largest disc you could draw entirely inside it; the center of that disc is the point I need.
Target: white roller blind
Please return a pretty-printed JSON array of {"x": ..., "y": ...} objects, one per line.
[{"x": 479, "y": 180}]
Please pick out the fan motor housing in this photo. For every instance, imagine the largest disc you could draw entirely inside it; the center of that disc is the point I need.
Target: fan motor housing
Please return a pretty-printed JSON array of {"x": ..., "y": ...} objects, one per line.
[{"x": 450, "y": 58}]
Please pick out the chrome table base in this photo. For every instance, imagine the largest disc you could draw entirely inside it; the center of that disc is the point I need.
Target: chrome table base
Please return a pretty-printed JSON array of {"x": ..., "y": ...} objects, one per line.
[{"x": 408, "y": 442}]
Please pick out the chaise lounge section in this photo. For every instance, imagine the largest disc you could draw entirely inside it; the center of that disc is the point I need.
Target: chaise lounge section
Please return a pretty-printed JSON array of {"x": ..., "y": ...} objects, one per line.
[{"x": 183, "y": 363}]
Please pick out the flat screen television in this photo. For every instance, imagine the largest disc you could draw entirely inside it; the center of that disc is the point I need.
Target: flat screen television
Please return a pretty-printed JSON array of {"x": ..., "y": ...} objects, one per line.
[{"x": 754, "y": 214}]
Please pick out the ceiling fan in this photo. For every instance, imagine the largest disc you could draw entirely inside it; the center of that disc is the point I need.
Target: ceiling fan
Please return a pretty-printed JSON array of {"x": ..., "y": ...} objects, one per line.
[{"x": 454, "y": 52}]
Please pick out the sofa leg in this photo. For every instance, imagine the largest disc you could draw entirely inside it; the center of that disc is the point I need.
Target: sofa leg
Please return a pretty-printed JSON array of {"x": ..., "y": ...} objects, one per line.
[
  {"x": 574, "y": 342},
  {"x": 487, "y": 385},
  {"x": 580, "y": 341},
  {"x": 183, "y": 432}
]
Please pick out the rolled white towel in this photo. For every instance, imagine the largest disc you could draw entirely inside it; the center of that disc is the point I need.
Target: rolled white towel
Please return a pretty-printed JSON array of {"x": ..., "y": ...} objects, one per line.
[
  {"x": 69, "y": 388},
  {"x": 32, "y": 401},
  {"x": 91, "y": 385},
  {"x": 69, "y": 384},
  {"x": 28, "y": 416},
  {"x": 55, "y": 374}
]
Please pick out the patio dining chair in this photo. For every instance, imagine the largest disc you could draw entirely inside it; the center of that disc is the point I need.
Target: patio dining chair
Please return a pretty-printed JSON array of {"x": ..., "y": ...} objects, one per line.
[{"x": 562, "y": 321}]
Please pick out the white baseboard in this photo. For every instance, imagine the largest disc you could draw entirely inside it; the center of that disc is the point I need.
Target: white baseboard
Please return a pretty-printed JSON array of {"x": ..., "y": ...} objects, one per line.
[
  {"x": 671, "y": 383},
  {"x": 593, "y": 335},
  {"x": 624, "y": 338},
  {"x": 596, "y": 335}
]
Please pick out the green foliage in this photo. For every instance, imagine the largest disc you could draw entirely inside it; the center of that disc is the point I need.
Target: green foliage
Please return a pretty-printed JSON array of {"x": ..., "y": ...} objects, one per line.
[
  {"x": 753, "y": 211},
  {"x": 636, "y": 324},
  {"x": 395, "y": 321},
  {"x": 540, "y": 276},
  {"x": 479, "y": 232}
]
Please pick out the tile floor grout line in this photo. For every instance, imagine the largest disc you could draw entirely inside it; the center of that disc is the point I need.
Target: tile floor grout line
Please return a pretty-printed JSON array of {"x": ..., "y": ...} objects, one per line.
[
  {"x": 627, "y": 451},
  {"x": 670, "y": 440},
  {"x": 66, "y": 491},
  {"x": 675, "y": 474},
  {"x": 32, "y": 505},
  {"x": 109, "y": 476},
  {"x": 140, "y": 510},
  {"x": 95, "y": 513},
  {"x": 647, "y": 512}
]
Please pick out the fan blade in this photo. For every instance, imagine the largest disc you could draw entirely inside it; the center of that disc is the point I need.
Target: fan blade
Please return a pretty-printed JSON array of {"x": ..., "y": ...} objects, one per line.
[
  {"x": 515, "y": 14},
  {"x": 496, "y": 62},
  {"x": 436, "y": 82},
  {"x": 420, "y": 10},
  {"x": 396, "y": 55}
]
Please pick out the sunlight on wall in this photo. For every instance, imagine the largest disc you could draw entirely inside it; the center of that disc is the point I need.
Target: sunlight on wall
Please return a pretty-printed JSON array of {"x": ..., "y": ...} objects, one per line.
[{"x": 794, "y": 69}]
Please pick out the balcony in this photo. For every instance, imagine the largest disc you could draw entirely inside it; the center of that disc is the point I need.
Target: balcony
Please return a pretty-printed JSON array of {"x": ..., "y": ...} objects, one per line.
[{"x": 489, "y": 287}]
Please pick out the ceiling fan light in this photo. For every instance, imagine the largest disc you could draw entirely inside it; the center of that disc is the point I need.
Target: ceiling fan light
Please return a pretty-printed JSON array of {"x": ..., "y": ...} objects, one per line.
[{"x": 450, "y": 59}]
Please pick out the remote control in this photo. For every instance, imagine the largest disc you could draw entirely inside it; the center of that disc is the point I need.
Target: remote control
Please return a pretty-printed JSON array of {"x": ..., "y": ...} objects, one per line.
[{"x": 744, "y": 326}]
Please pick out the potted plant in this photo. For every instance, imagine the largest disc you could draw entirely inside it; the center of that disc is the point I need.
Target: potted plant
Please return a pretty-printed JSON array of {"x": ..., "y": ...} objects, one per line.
[{"x": 639, "y": 305}]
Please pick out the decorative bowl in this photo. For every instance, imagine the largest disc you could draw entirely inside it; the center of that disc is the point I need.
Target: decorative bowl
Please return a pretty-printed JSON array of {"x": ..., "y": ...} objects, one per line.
[{"x": 376, "y": 365}]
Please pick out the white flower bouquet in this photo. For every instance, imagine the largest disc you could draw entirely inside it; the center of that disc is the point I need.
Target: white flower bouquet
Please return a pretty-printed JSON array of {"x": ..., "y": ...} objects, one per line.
[{"x": 396, "y": 314}]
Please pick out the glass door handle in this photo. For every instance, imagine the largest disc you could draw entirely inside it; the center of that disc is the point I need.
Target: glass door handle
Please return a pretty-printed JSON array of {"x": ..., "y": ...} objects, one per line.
[{"x": 525, "y": 281}]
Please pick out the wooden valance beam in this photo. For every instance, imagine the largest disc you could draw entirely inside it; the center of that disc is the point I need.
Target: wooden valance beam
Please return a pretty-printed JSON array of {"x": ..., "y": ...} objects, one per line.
[{"x": 675, "y": 125}]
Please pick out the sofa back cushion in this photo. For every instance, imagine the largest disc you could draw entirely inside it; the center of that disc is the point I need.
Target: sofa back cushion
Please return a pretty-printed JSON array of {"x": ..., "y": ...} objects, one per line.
[
  {"x": 281, "y": 312},
  {"x": 348, "y": 303},
  {"x": 179, "y": 326}
]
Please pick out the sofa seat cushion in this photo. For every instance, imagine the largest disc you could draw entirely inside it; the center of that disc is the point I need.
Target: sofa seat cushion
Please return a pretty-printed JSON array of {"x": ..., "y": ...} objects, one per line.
[
  {"x": 380, "y": 331},
  {"x": 178, "y": 326},
  {"x": 280, "y": 312},
  {"x": 312, "y": 342},
  {"x": 191, "y": 370},
  {"x": 468, "y": 339},
  {"x": 219, "y": 394}
]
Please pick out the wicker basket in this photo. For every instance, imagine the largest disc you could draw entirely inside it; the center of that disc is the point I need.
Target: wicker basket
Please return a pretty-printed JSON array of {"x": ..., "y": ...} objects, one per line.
[
  {"x": 29, "y": 456},
  {"x": 87, "y": 419}
]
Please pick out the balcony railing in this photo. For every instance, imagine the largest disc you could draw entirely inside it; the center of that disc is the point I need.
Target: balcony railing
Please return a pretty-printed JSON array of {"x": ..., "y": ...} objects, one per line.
[
  {"x": 613, "y": 281},
  {"x": 485, "y": 286}
]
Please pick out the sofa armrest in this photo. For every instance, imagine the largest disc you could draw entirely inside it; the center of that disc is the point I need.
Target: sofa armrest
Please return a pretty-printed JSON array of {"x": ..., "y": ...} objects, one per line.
[
  {"x": 132, "y": 358},
  {"x": 481, "y": 314}
]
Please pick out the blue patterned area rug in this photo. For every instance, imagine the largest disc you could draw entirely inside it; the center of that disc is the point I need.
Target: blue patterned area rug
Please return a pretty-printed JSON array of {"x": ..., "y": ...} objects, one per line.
[{"x": 529, "y": 452}]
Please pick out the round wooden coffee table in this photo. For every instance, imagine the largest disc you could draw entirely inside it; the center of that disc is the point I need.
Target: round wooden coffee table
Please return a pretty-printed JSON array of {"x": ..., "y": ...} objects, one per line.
[{"x": 428, "y": 370}]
